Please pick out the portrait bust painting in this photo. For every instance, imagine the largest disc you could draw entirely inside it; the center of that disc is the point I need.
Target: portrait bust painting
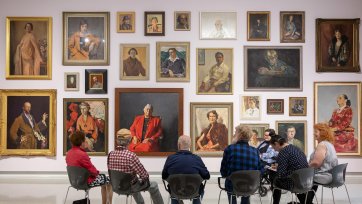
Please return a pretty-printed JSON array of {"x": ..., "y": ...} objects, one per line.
[{"x": 182, "y": 20}]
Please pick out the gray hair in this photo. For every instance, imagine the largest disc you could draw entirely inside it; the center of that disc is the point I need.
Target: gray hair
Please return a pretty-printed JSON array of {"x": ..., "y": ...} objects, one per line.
[
  {"x": 148, "y": 106},
  {"x": 122, "y": 141},
  {"x": 184, "y": 142},
  {"x": 242, "y": 132}
]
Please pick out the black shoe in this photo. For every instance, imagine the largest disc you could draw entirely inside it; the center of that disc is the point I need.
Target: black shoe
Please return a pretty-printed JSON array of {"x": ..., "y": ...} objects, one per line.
[{"x": 293, "y": 202}]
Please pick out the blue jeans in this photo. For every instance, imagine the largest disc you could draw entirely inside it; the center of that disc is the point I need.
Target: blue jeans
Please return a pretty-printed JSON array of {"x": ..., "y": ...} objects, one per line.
[{"x": 229, "y": 188}]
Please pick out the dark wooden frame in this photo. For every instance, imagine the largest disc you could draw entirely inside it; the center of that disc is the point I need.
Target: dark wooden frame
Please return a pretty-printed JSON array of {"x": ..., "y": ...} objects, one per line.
[
  {"x": 162, "y": 13},
  {"x": 88, "y": 74},
  {"x": 270, "y": 101}
]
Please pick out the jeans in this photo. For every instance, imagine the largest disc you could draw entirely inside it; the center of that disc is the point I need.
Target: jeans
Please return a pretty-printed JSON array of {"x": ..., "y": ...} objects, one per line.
[
  {"x": 229, "y": 188},
  {"x": 153, "y": 190}
]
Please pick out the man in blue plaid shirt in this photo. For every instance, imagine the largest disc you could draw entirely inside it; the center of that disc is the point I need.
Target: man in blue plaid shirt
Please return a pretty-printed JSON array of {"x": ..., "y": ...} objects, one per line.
[{"x": 239, "y": 156}]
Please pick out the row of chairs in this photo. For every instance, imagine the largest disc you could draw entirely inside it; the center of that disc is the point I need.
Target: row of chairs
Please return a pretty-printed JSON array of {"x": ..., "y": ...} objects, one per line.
[{"x": 186, "y": 186}]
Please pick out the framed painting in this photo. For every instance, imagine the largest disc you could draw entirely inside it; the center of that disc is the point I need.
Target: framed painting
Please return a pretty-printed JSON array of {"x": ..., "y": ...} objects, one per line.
[
  {"x": 258, "y": 25},
  {"x": 337, "y": 45},
  {"x": 161, "y": 107},
  {"x": 126, "y": 22},
  {"x": 211, "y": 127},
  {"x": 29, "y": 48},
  {"x": 71, "y": 81},
  {"x": 96, "y": 81},
  {"x": 218, "y": 25},
  {"x": 135, "y": 61},
  {"x": 273, "y": 68},
  {"x": 295, "y": 131},
  {"x": 250, "y": 107},
  {"x": 154, "y": 23},
  {"x": 182, "y": 21},
  {"x": 209, "y": 63},
  {"x": 275, "y": 106},
  {"x": 292, "y": 26},
  {"x": 297, "y": 106},
  {"x": 339, "y": 105},
  {"x": 258, "y": 129},
  {"x": 89, "y": 115},
  {"x": 85, "y": 38},
  {"x": 28, "y": 126},
  {"x": 173, "y": 61}
]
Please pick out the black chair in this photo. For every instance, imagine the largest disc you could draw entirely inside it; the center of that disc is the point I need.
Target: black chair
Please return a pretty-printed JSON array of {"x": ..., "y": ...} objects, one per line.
[
  {"x": 78, "y": 178},
  {"x": 184, "y": 186},
  {"x": 245, "y": 183}
]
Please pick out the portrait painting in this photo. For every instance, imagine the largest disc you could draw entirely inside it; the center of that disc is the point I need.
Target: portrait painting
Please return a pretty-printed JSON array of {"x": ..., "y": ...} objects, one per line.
[
  {"x": 135, "y": 62},
  {"x": 275, "y": 106},
  {"x": 258, "y": 25},
  {"x": 214, "y": 73},
  {"x": 250, "y": 107},
  {"x": 154, "y": 117},
  {"x": 126, "y": 22},
  {"x": 218, "y": 25},
  {"x": 28, "y": 126},
  {"x": 154, "y": 23},
  {"x": 295, "y": 131},
  {"x": 257, "y": 133},
  {"x": 292, "y": 28},
  {"x": 339, "y": 105},
  {"x": 71, "y": 81},
  {"x": 90, "y": 116},
  {"x": 182, "y": 21},
  {"x": 273, "y": 68},
  {"x": 96, "y": 81},
  {"x": 337, "y": 45},
  {"x": 85, "y": 38},
  {"x": 211, "y": 127},
  {"x": 297, "y": 106},
  {"x": 29, "y": 48},
  {"x": 173, "y": 61}
]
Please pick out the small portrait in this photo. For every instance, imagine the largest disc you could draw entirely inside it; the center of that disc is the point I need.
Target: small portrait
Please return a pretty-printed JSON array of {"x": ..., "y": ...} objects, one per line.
[
  {"x": 182, "y": 20},
  {"x": 211, "y": 125},
  {"x": 250, "y": 107},
  {"x": 135, "y": 62},
  {"x": 71, "y": 81},
  {"x": 258, "y": 26},
  {"x": 294, "y": 131},
  {"x": 337, "y": 45},
  {"x": 86, "y": 38},
  {"x": 95, "y": 81},
  {"x": 297, "y": 106},
  {"x": 218, "y": 25},
  {"x": 155, "y": 23},
  {"x": 28, "y": 47},
  {"x": 257, "y": 135},
  {"x": 275, "y": 106},
  {"x": 173, "y": 61},
  {"x": 292, "y": 29},
  {"x": 126, "y": 22},
  {"x": 215, "y": 75}
]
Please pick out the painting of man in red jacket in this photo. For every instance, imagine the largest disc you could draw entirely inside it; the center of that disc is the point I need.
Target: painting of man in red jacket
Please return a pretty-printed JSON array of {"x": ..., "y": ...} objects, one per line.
[{"x": 145, "y": 130}]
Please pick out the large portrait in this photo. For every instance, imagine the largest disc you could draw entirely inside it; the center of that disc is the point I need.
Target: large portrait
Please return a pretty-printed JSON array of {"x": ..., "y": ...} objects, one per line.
[
  {"x": 28, "y": 48},
  {"x": 258, "y": 25},
  {"x": 173, "y": 61},
  {"x": 71, "y": 81},
  {"x": 297, "y": 106},
  {"x": 135, "y": 62},
  {"x": 337, "y": 44},
  {"x": 218, "y": 25},
  {"x": 90, "y": 116},
  {"x": 85, "y": 38},
  {"x": 161, "y": 109},
  {"x": 273, "y": 68},
  {"x": 96, "y": 81},
  {"x": 339, "y": 105},
  {"x": 126, "y": 22},
  {"x": 211, "y": 127},
  {"x": 154, "y": 23},
  {"x": 182, "y": 20},
  {"x": 295, "y": 131},
  {"x": 214, "y": 71},
  {"x": 292, "y": 29},
  {"x": 250, "y": 107},
  {"x": 275, "y": 106},
  {"x": 28, "y": 126}
]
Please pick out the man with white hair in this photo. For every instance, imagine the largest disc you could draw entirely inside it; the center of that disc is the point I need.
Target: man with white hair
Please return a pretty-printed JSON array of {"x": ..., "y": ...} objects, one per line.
[
  {"x": 145, "y": 130},
  {"x": 184, "y": 162},
  {"x": 126, "y": 161}
]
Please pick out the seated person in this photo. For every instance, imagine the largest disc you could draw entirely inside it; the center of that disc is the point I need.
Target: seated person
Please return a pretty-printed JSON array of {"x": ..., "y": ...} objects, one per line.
[
  {"x": 175, "y": 164},
  {"x": 76, "y": 156},
  {"x": 126, "y": 161},
  {"x": 266, "y": 151}
]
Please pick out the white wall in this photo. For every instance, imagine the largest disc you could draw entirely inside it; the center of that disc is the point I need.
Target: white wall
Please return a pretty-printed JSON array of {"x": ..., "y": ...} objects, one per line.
[{"x": 54, "y": 8}]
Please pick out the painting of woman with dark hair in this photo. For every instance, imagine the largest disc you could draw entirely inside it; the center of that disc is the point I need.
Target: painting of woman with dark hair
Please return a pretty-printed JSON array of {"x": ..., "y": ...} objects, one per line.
[{"x": 338, "y": 49}]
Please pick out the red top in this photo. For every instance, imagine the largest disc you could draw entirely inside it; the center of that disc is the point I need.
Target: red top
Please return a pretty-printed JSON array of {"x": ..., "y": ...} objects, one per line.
[{"x": 78, "y": 157}]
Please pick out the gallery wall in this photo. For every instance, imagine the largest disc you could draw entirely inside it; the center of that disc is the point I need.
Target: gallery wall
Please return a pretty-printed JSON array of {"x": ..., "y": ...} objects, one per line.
[{"x": 54, "y": 8}]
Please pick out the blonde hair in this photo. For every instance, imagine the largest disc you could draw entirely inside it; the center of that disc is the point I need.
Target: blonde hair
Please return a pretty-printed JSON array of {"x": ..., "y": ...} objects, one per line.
[{"x": 325, "y": 132}]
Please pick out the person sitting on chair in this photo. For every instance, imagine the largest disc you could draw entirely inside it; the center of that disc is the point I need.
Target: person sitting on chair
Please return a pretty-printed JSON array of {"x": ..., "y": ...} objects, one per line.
[{"x": 266, "y": 151}]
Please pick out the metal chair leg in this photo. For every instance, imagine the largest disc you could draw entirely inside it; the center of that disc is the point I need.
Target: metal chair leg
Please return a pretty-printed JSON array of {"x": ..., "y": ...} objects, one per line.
[
  {"x": 87, "y": 196},
  {"x": 315, "y": 196},
  {"x": 347, "y": 193},
  {"x": 333, "y": 196},
  {"x": 322, "y": 196},
  {"x": 259, "y": 199},
  {"x": 271, "y": 200},
  {"x": 66, "y": 194},
  {"x": 219, "y": 197}
]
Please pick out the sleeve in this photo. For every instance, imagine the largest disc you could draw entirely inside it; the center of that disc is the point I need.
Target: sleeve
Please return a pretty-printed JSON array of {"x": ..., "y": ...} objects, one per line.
[
  {"x": 205, "y": 174},
  {"x": 223, "y": 168},
  {"x": 85, "y": 162},
  {"x": 225, "y": 76},
  {"x": 14, "y": 130},
  {"x": 157, "y": 132},
  {"x": 345, "y": 121},
  {"x": 133, "y": 127},
  {"x": 142, "y": 69},
  {"x": 282, "y": 161},
  {"x": 139, "y": 169},
  {"x": 165, "y": 169}
]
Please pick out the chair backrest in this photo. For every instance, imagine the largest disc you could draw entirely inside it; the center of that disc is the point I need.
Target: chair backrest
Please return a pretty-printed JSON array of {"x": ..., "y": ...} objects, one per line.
[
  {"x": 338, "y": 175},
  {"x": 184, "y": 186},
  {"x": 121, "y": 182},
  {"x": 245, "y": 182},
  {"x": 78, "y": 177},
  {"x": 302, "y": 180}
]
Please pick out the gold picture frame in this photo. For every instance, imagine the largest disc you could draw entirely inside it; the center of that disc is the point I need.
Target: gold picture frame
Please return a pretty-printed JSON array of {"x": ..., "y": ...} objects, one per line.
[
  {"x": 292, "y": 26},
  {"x": 298, "y": 135},
  {"x": 126, "y": 22},
  {"x": 297, "y": 106},
  {"x": 138, "y": 69},
  {"x": 182, "y": 21},
  {"x": 258, "y": 25}
]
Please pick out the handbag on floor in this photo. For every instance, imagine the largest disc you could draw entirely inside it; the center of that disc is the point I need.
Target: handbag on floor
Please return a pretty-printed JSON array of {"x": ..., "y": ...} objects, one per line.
[{"x": 82, "y": 201}]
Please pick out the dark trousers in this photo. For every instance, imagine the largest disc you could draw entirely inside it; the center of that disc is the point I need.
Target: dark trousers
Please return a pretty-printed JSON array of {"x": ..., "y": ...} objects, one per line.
[
  {"x": 232, "y": 200},
  {"x": 194, "y": 201}
]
